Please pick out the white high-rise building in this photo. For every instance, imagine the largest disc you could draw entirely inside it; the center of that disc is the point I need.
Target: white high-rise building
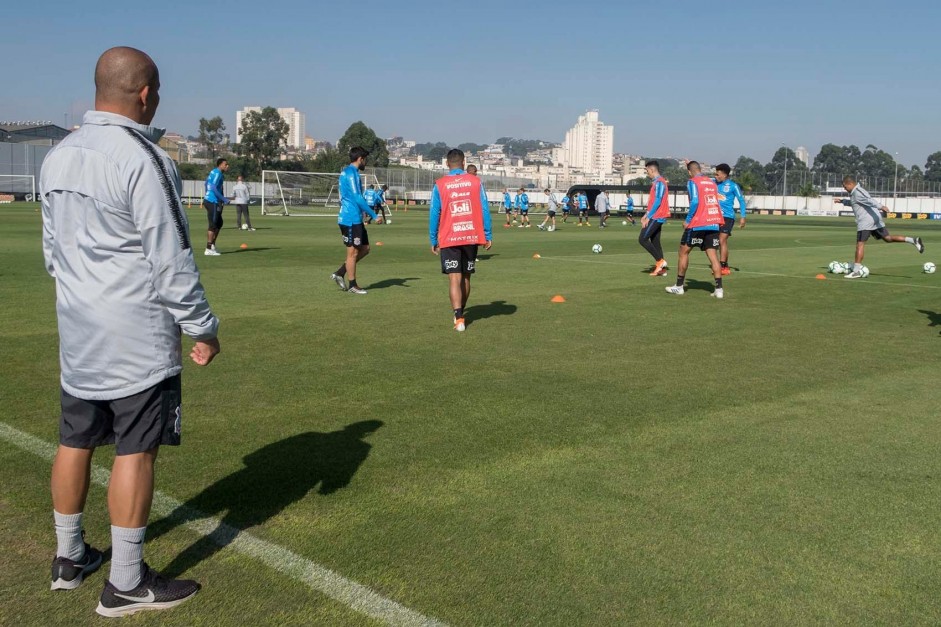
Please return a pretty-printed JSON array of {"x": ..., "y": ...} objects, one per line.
[
  {"x": 589, "y": 146},
  {"x": 295, "y": 119},
  {"x": 801, "y": 153}
]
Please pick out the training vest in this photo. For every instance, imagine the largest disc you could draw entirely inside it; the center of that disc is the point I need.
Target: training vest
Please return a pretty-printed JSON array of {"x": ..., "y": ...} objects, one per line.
[
  {"x": 708, "y": 212},
  {"x": 663, "y": 211},
  {"x": 462, "y": 215}
]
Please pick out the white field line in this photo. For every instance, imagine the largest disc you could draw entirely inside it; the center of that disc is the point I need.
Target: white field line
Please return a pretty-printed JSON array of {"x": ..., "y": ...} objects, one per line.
[{"x": 319, "y": 578}]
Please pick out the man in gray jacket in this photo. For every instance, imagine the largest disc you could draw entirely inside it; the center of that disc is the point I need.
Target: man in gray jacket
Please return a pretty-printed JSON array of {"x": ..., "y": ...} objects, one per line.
[
  {"x": 869, "y": 222},
  {"x": 242, "y": 200},
  {"x": 116, "y": 240}
]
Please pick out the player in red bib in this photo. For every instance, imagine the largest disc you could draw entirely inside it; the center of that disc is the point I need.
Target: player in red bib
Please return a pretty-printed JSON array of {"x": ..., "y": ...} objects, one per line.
[{"x": 459, "y": 221}]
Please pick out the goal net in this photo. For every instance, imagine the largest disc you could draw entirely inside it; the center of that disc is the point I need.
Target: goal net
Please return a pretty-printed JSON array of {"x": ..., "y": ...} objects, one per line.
[
  {"x": 304, "y": 193},
  {"x": 17, "y": 187}
]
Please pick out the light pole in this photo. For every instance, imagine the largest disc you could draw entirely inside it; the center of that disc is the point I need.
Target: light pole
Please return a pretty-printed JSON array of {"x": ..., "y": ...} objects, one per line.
[
  {"x": 895, "y": 186},
  {"x": 784, "y": 190}
]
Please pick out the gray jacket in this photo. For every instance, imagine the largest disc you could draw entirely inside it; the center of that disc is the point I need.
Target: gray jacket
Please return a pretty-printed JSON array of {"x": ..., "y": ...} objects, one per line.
[
  {"x": 116, "y": 240},
  {"x": 241, "y": 193},
  {"x": 601, "y": 203},
  {"x": 867, "y": 210}
]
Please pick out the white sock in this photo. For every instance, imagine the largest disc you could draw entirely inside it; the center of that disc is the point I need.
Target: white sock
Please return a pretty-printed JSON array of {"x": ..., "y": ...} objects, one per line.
[
  {"x": 909, "y": 240},
  {"x": 69, "y": 536},
  {"x": 127, "y": 553},
  {"x": 857, "y": 267}
]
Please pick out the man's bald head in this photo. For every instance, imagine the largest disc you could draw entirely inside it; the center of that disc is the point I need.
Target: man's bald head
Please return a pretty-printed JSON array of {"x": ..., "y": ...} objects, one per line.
[{"x": 127, "y": 82}]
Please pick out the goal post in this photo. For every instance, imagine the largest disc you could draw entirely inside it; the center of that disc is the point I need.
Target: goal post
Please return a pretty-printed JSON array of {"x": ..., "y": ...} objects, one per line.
[
  {"x": 315, "y": 194},
  {"x": 17, "y": 187}
]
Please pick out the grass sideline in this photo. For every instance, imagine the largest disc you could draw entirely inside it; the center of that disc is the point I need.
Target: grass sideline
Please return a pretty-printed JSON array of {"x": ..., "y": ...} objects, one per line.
[{"x": 625, "y": 457}]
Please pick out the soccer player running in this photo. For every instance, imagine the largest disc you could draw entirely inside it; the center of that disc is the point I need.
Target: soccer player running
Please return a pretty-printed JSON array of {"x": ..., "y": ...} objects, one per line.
[
  {"x": 116, "y": 241},
  {"x": 507, "y": 205},
  {"x": 370, "y": 195},
  {"x": 213, "y": 202},
  {"x": 523, "y": 199},
  {"x": 458, "y": 223},
  {"x": 581, "y": 200},
  {"x": 651, "y": 225},
  {"x": 630, "y": 210},
  {"x": 729, "y": 192},
  {"x": 352, "y": 207},
  {"x": 381, "y": 206},
  {"x": 702, "y": 228},
  {"x": 869, "y": 222},
  {"x": 550, "y": 213}
]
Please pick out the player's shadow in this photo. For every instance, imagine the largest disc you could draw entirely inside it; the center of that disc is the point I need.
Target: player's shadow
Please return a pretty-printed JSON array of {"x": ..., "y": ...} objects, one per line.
[
  {"x": 482, "y": 312},
  {"x": 486, "y": 256},
  {"x": 392, "y": 283},
  {"x": 274, "y": 477},
  {"x": 934, "y": 317},
  {"x": 240, "y": 251},
  {"x": 693, "y": 284}
]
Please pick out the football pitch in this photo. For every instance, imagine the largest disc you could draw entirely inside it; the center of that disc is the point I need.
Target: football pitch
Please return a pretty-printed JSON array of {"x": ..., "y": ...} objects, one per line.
[{"x": 624, "y": 457}]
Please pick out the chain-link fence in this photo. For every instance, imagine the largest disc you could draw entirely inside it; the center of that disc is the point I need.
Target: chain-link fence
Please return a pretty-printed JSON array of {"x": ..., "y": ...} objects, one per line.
[
  {"x": 801, "y": 181},
  {"x": 405, "y": 182}
]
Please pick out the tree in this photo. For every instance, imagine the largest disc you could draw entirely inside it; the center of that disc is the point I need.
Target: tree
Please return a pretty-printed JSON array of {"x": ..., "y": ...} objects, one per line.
[
  {"x": 841, "y": 160},
  {"x": 193, "y": 171},
  {"x": 878, "y": 163},
  {"x": 212, "y": 135},
  {"x": 329, "y": 160},
  {"x": 471, "y": 147},
  {"x": 933, "y": 167},
  {"x": 358, "y": 134},
  {"x": 431, "y": 152},
  {"x": 775, "y": 169},
  {"x": 263, "y": 136},
  {"x": 808, "y": 190},
  {"x": 750, "y": 175}
]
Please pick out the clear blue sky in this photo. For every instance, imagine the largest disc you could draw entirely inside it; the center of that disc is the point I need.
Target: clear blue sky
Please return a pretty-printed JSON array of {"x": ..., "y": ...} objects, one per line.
[{"x": 712, "y": 82}]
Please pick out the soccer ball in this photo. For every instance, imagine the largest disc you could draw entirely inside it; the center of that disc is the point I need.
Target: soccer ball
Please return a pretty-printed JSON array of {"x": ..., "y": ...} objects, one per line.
[
  {"x": 389, "y": 221},
  {"x": 244, "y": 227},
  {"x": 596, "y": 249},
  {"x": 929, "y": 268},
  {"x": 864, "y": 272},
  {"x": 551, "y": 229},
  {"x": 837, "y": 268},
  {"x": 848, "y": 267},
  {"x": 624, "y": 222}
]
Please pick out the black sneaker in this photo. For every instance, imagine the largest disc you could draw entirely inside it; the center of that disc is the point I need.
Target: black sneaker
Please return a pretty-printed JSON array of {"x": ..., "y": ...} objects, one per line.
[
  {"x": 154, "y": 592},
  {"x": 68, "y": 575},
  {"x": 919, "y": 245}
]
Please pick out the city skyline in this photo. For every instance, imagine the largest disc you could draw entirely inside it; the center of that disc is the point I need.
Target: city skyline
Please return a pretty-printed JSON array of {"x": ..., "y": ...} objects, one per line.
[{"x": 690, "y": 92}]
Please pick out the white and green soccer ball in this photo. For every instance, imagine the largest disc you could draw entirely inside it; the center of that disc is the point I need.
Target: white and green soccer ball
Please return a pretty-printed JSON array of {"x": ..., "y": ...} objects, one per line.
[
  {"x": 624, "y": 222},
  {"x": 596, "y": 249},
  {"x": 551, "y": 229},
  {"x": 244, "y": 227},
  {"x": 837, "y": 268},
  {"x": 864, "y": 272},
  {"x": 848, "y": 267},
  {"x": 929, "y": 268}
]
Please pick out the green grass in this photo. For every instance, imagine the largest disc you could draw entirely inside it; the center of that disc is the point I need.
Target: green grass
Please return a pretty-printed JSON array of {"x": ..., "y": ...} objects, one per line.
[{"x": 624, "y": 457}]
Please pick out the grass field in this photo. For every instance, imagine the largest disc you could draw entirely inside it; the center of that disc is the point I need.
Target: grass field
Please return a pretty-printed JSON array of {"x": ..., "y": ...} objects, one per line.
[{"x": 625, "y": 457}]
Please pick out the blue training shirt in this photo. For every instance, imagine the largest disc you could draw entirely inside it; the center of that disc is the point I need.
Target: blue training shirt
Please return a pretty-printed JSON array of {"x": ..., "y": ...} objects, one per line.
[
  {"x": 380, "y": 197},
  {"x": 352, "y": 203},
  {"x": 729, "y": 192},
  {"x": 507, "y": 201},
  {"x": 582, "y": 201},
  {"x": 434, "y": 211},
  {"x": 693, "y": 206},
  {"x": 370, "y": 196},
  {"x": 524, "y": 201},
  {"x": 214, "y": 186}
]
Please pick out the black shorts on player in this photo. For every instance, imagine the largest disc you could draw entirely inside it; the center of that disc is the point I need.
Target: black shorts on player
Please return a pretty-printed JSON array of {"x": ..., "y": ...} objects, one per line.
[
  {"x": 134, "y": 424},
  {"x": 355, "y": 235},
  {"x": 508, "y": 210},
  {"x": 213, "y": 214},
  {"x": 703, "y": 240},
  {"x": 551, "y": 213},
  {"x": 880, "y": 234},
  {"x": 458, "y": 259},
  {"x": 728, "y": 224}
]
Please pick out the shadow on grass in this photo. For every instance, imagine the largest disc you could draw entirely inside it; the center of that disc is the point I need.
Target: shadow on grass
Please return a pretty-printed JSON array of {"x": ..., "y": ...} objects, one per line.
[
  {"x": 487, "y": 256},
  {"x": 482, "y": 312},
  {"x": 274, "y": 477},
  {"x": 693, "y": 284},
  {"x": 247, "y": 250},
  {"x": 392, "y": 283},
  {"x": 934, "y": 317}
]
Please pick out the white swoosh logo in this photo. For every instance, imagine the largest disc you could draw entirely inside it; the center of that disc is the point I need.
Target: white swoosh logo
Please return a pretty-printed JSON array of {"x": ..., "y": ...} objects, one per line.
[{"x": 144, "y": 599}]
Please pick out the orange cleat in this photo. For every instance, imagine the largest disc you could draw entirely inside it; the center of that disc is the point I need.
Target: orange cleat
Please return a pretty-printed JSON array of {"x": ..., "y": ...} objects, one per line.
[{"x": 726, "y": 271}]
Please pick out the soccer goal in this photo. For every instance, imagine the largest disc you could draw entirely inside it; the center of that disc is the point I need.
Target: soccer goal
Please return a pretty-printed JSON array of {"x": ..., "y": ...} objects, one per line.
[
  {"x": 17, "y": 187},
  {"x": 314, "y": 194}
]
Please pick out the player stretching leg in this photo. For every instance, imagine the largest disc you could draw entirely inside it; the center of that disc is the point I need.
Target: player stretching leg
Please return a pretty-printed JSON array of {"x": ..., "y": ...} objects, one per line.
[
  {"x": 550, "y": 214},
  {"x": 458, "y": 222},
  {"x": 658, "y": 210},
  {"x": 729, "y": 192},
  {"x": 869, "y": 223},
  {"x": 352, "y": 207},
  {"x": 702, "y": 229}
]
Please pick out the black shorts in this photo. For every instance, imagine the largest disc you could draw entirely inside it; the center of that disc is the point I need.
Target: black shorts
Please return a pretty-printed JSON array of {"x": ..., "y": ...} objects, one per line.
[
  {"x": 863, "y": 236},
  {"x": 551, "y": 213},
  {"x": 524, "y": 212},
  {"x": 135, "y": 424},
  {"x": 583, "y": 212},
  {"x": 355, "y": 235},
  {"x": 458, "y": 259},
  {"x": 727, "y": 225},
  {"x": 703, "y": 240},
  {"x": 508, "y": 210},
  {"x": 213, "y": 214},
  {"x": 565, "y": 210}
]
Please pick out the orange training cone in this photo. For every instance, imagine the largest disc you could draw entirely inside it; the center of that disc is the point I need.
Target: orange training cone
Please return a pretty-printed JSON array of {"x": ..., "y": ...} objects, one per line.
[
  {"x": 558, "y": 298},
  {"x": 536, "y": 256},
  {"x": 378, "y": 243},
  {"x": 821, "y": 277},
  {"x": 243, "y": 246}
]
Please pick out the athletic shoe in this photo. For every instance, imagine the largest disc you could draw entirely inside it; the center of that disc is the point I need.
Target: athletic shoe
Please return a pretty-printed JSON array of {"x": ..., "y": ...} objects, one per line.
[
  {"x": 540, "y": 227},
  {"x": 341, "y": 283},
  {"x": 726, "y": 271},
  {"x": 154, "y": 592},
  {"x": 919, "y": 245},
  {"x": 676, "y": 289},
  {"x": 719, "y": 293},
  {"x": 251, "y": 228},
  {"x": 528, "y": 225},
  {"x": 853, "y": 275},
  {"x": 661, "y": 272},
  {"x": 579, "y": 224},
  {"x": 68, "y": 574},
  {"x": 659, "y": 268},
  {"x": 459, "y": 325},
  {"x": 587, "y": 223},
  {"x": 356, "y": 290},
  {"x": 211, "y": 252}
]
